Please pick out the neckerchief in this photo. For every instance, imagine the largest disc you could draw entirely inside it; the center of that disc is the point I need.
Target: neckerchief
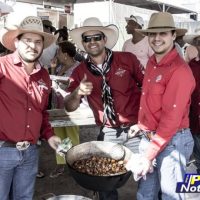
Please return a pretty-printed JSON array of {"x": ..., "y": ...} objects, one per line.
[{"x": 107, "y": 99}]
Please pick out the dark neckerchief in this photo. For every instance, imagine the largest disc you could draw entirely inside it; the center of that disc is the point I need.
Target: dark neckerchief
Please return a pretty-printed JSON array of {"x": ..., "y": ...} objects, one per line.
[{"x": 109, "y": 113}]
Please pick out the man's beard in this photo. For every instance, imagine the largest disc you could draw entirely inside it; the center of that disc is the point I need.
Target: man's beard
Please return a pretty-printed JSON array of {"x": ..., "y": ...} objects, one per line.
[{"x": 24, "y": 58}]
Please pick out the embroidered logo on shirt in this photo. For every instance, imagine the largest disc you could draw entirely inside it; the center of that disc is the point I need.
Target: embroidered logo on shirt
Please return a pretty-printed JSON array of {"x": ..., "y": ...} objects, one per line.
[
  {"x": 158, "y": 78},
  {"x": 42, "y": 85},
  {"x": 120, "y": 72}
]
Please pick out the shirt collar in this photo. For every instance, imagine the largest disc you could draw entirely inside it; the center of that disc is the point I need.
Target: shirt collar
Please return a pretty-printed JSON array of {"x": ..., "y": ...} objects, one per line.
[{"x": 166, "y": 60}]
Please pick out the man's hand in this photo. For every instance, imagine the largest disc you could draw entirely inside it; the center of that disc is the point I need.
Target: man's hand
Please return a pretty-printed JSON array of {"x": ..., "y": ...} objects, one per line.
[
  {"x": 54, "y": 141},
  {"x": 85, "y": 87},
  {"x": 133, "y": 131},
  {"x": 139, "y": 165},
  {"x": 146, "y": 166}
]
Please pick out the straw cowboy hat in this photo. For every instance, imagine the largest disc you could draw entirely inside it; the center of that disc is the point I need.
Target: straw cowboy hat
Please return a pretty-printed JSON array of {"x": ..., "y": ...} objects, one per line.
[
  {"x": 93, "y": 24},
  {"x": 190, "y": 38},
  {"x": 48, "y": 23},
  {"x": 161, "y": 22},
  {"x": 137, "y": 19},
  {"x": 30, "y": 24}
]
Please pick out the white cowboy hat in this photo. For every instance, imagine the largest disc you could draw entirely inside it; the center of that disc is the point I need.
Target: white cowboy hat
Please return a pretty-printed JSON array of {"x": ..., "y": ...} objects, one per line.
[
  {"x": 111, "y": 32},
  {"x": 30, "y": 24},
  {"x": 161, "y": 22},
  {"x": 190, "y": 38},
  {"x": 137, "y": 19}
]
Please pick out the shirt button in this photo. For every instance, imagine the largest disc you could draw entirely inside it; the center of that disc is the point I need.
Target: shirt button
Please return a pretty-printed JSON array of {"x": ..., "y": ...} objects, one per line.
[
  {"x": 29, "y": 109},
  {"x": 143, "y": 93},
  {"x": 28, "y": 126},
  {"x": 140, "y": 108},
  {"x": 149, "y": 80},
  {"x": 154, "y": 67},
  {"x": 174, "y": 105},
  {"x": 29, "y": 92},
  {"x": 199, "y": 103}
]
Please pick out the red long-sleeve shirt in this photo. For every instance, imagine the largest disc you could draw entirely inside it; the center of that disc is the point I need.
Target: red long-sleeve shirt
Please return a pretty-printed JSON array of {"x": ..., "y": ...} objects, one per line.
[
  {"x": 124, "y": 78},
  {"x": 165, "y": 100},
  {"x": 23, "y": 101}
]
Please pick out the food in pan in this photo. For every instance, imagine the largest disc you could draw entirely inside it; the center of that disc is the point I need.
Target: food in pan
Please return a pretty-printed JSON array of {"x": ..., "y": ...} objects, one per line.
[{"x": 99, "y": 166}]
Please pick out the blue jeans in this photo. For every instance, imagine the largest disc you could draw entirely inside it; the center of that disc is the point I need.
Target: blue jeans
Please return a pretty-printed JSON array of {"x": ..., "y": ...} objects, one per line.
[
  {"x": 120, "y": 136},
  {"x": 170, "y": 169},
  {"x": 18, "y": 171}
]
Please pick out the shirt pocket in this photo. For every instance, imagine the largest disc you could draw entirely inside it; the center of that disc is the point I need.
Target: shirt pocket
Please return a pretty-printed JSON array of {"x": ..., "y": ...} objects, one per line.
[
  {"x": 155, "y": 95},
  {"x": 156, "y": 89}
]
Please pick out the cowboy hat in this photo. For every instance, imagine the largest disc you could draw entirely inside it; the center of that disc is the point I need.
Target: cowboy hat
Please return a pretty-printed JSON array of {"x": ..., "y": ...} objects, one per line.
[
  {"x": 190, "y": 38},
  {"x": 137, "y": 19},
  {"x": 161, "y": 22},
  {"x": 91, "y": 24},
  {"x": 48, "y": 23},
  {"x": 30, "y": 24}
]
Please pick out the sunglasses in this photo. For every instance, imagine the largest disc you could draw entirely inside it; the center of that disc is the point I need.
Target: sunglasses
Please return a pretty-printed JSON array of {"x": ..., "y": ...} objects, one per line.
[{"x": 89, "y": 38}]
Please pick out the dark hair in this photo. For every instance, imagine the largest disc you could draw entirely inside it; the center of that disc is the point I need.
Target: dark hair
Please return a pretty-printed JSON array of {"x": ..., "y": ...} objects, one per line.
[
  {"x": 2, "y": 48},
  {"x": 68, "y": 47},
  {"x": 63, "y": 33}
]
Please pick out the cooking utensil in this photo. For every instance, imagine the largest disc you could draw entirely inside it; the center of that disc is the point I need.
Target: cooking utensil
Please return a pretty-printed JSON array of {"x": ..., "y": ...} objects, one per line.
[
  {"x": 96, "y": 183},
  {"x": 118, "y": 152}
]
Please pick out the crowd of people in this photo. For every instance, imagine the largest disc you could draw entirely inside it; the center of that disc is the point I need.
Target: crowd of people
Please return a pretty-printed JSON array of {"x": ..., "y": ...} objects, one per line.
[{"x": 150, "y": 87}]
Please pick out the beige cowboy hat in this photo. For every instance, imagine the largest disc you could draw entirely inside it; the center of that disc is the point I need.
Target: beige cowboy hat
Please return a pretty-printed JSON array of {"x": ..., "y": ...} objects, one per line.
[
  {"x": 30, "y": 24},
  {"x": 137, "y": 19},
  {"x": 190, "y": 38},
  {"x": 161, "y": 22},
  {"x": 91, "y": 24}
]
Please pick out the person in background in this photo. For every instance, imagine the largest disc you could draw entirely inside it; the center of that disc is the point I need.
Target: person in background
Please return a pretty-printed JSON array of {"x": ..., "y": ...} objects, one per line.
[
  {"x": 110, "y": 80},
  {"x": 182, "y": 45},
  {"x": 50, "y": 52},
  {"x": 191, "y": 51},
  {"x": 25, "y": 87},
  {"x": 195, "y": 102},
  {"x": 138, "y": 43},
  {"x": 63, "y": 65},
  {"x": 63, "y": 34},
  {"x": 163, "y": 115}
]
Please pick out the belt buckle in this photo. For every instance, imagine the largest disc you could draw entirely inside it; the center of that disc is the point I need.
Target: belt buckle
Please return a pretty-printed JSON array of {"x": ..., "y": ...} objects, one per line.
[
  {"x": 148, "y": 135},
  {"x": 22, "y": 145},
  {"x": 124, "y": 126}
]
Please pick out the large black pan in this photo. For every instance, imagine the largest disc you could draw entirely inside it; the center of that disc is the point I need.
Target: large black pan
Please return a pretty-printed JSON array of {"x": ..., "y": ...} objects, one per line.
[{"x": 96, "y": 183}]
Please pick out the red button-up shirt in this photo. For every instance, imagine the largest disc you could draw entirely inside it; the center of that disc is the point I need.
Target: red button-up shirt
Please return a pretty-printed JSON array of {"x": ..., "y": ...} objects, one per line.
[
  {"x": 23, "y": 101},
  {"x": 195, "y": 103},
  {"x": 165, "y": 100},
  {"x": 125, "y": 77}
]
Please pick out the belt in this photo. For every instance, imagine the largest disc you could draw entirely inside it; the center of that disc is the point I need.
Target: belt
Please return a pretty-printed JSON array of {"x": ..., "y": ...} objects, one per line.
[
  {"x": 147, "y": 134},
  {"x": 23, "y": 145}
]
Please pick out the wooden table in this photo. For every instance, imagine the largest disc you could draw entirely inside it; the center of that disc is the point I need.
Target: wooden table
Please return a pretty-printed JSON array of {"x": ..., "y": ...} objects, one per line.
[{"x": 83, "y": 116}]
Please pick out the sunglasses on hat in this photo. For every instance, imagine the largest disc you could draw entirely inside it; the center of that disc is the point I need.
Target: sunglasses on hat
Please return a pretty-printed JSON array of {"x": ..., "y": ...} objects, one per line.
[{"x": 89, "y": 38}]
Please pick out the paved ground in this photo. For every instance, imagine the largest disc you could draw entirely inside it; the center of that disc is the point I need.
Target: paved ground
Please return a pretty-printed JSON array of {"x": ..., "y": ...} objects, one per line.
[{"x": 65, "y": 184}]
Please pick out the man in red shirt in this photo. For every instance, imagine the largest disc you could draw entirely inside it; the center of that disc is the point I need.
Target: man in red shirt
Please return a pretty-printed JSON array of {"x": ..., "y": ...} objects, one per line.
[
  {"x": 194, "y": 64},
  {"x": 163, "y": 116},
  {"x": 24, "y": 89},
  {"x": 111, "y": 82}
]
